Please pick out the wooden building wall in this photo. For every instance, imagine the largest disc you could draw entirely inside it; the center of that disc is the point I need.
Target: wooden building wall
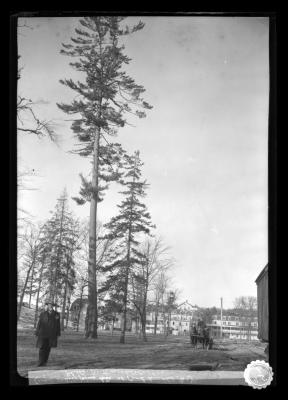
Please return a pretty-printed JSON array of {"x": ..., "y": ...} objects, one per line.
[{"x": 263, "y": 305}]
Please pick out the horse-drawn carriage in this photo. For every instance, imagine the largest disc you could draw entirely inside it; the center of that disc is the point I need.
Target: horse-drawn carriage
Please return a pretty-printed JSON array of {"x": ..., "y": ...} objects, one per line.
[{"x": 201, "y": 336}]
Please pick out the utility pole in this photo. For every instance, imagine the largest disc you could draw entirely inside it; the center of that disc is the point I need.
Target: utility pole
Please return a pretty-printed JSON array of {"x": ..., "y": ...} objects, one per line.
[{"x": 221, "y": 332}]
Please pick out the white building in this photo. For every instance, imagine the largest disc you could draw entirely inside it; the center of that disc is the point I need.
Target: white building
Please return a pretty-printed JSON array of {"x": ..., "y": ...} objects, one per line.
[
  {"x": 178, "y": 321},
  {"x": 234, "y": 327}
]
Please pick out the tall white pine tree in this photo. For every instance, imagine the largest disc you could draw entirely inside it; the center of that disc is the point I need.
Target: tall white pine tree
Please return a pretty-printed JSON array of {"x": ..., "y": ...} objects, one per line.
[{"x": 102, "y": 102}]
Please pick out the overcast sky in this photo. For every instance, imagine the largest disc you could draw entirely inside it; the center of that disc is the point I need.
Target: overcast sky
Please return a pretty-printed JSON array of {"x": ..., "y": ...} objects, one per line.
[{"x": 204, "y": 143}]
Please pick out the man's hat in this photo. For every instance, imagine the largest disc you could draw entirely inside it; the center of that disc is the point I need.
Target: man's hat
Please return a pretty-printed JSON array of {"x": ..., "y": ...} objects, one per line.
[{"x": 48, "y": 301}]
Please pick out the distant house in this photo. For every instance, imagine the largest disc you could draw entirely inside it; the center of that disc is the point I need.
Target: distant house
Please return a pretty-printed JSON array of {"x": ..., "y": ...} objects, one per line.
[
  {"x": 234, "y": 327},
  {"x": 78, "y": 309},
  {"x": 178, "y": 321},
  {"x": 263, "y": 304}
]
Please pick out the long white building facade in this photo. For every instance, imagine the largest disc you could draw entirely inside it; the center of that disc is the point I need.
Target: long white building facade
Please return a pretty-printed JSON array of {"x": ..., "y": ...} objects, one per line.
[
  {"x": 234, "y": 327},
  {"x": 176, "y": 322}
]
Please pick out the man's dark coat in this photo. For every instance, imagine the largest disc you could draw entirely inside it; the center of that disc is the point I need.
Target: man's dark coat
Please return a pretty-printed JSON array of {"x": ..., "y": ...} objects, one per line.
[{"x": 48, "y": 327}]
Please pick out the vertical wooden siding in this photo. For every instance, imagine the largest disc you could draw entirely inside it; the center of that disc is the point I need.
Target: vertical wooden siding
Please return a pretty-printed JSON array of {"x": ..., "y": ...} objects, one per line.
[{"x": 263, "y": 310}]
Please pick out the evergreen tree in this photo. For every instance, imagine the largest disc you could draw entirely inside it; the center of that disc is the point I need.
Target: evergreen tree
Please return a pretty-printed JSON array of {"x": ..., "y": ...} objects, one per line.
[
  {"x": 45, "y": 249},
  {"x": 61, "y": 233},
  {"x": 109, "y": 311},
  {"x": 68, "y": 277},
  {"x": 103, "y": 100},
  {"x": 127, "y": 227}
]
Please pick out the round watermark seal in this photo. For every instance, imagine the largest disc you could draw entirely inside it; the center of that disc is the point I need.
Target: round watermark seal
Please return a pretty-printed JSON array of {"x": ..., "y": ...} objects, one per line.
[{"x": 258, "y": 374}]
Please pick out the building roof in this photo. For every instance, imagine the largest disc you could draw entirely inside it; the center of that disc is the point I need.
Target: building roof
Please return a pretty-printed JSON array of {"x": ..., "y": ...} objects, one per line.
[
  {"x": 185, "y": 307},
  {"x": 263, "y": 272},
  {"x": 77, "y": 302}
]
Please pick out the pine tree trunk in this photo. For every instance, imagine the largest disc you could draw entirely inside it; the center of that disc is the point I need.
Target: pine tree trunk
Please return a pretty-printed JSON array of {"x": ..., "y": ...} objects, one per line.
[
  {"x": 122, "y": 336},
  {"x": 38, "y": 293},
  {"x": 80, "y": 307},
  {"x": 168, "y": 324},
  {"x": 67, "y": 316},
  {"x": 143, "y": 323},
  {"x": 64, "y": 306},
  {"x": 91, "y": 316},
  {"x": 68, "y": 313},
  {"x": 51, "y": 279},
  {"x": 65, "y": 294},
  {"x": 136, "y": 325},
  {"x": 54, "y": 287},
  {"x": 144, "y": 314},
  {"x": 164, "y": 324},
  {"x": 156, "y": 318}
]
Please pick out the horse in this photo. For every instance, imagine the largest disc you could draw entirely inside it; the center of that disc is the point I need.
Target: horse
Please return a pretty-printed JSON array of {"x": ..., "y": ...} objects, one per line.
[
  {"x": 202, "y": 338},
  {"x": 194, "y": 337}
]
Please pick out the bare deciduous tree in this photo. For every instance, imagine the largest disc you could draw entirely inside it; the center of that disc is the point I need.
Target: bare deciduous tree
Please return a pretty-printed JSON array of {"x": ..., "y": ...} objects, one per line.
[
  {"x": 155, "y": 260},
  {"x": 31, "y": 241},
  {"x": 28, "y": 121},
  {"x": 160, "y": 288},
  {"x": 246, "y": 307}
]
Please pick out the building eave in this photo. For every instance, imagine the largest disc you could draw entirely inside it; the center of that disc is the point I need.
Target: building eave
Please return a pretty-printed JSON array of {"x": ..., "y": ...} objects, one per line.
[{"x": 263, "y": 272}]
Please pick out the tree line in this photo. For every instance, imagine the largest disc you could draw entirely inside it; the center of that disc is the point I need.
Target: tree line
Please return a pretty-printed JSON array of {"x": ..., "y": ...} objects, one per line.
[{"x": 131, "y": 273}]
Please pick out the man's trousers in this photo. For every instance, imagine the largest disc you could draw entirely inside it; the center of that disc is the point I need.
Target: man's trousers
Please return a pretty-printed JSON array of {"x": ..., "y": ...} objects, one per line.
[{"x": 44, "y": 351}]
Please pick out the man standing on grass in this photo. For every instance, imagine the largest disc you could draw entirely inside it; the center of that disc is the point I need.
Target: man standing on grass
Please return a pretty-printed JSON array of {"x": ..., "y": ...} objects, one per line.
[{"x": 47, "y": 332}]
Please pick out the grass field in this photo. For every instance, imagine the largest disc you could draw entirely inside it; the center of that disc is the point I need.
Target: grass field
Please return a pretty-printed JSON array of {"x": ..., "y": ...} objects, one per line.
[{"x": 175, "y": 352}]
